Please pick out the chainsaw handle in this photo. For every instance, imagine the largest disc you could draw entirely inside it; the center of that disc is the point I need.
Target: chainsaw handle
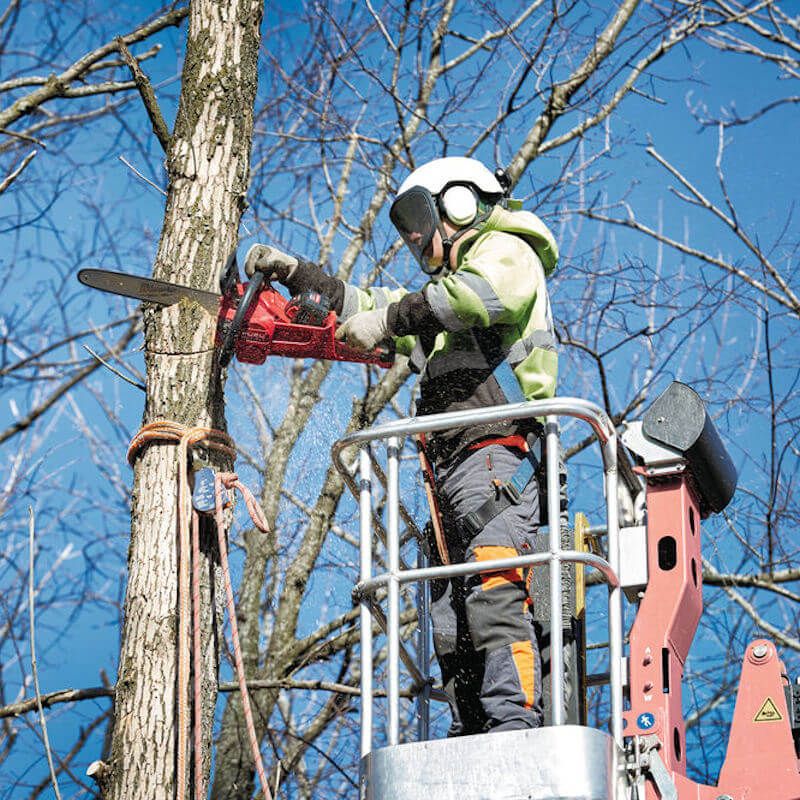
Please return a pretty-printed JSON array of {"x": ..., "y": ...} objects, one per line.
[{"x": 248, "y": 298}]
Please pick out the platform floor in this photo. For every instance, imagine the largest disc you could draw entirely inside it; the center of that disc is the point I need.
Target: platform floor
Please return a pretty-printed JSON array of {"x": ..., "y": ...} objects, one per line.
[{"x": 557, "y": 763}]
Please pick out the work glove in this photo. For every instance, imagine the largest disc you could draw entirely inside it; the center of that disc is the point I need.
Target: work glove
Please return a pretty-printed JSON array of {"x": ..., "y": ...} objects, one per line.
[
  {"x": 276, "y": 265},
  {"x": 365, "y": 330}
]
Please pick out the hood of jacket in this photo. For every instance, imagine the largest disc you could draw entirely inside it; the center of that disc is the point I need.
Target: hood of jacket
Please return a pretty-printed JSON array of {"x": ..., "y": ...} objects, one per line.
[{"x": 528, "y": 227}]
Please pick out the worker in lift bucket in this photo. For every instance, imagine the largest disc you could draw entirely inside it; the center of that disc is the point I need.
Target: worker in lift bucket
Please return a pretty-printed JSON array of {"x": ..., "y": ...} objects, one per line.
[{"x": 479, "y": 332}]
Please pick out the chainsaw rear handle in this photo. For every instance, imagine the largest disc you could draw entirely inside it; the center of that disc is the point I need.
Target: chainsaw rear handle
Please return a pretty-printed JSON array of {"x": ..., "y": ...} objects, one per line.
[{"x": 250, "y": 295}]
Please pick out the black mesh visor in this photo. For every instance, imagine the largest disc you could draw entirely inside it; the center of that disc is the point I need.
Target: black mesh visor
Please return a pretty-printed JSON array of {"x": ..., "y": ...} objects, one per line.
[{"x": 414, "y": 215}]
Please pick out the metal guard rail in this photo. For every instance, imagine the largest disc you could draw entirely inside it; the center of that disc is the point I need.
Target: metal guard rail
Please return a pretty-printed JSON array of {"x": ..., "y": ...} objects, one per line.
[{"x": 551, "y": 409}]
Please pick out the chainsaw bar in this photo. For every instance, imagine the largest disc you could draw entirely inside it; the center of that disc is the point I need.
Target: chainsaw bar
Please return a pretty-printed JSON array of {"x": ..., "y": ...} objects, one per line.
[{"x": 148, "y": 290}]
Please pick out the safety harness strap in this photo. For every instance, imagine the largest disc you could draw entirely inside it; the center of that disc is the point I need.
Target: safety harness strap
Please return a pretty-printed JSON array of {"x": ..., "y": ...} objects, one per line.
[
  {"x": 507, "y": 381},
  {"x": 506, "y": 495}
]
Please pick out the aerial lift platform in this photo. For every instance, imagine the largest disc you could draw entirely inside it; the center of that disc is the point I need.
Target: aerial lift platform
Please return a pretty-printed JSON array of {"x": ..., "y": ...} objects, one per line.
[{"x": 685, "y": 475}]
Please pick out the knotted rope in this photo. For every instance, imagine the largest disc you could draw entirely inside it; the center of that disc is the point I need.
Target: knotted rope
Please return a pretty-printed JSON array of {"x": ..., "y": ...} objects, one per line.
[{"x": 189, "y": 540}]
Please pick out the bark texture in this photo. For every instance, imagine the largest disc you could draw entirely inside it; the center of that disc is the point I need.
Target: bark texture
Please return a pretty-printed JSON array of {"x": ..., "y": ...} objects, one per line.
[{"x": 208, "y": 163}]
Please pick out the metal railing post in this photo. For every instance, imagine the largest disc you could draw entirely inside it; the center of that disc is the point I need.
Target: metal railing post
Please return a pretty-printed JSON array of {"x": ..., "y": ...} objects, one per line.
[
  {"x": 554, "y": 524},
  {"x": 365, "y": 615},
  {"x": 393, "y": 564},
  {"x": 615, "y": 592},
  {"x": 423, "y": 652}
]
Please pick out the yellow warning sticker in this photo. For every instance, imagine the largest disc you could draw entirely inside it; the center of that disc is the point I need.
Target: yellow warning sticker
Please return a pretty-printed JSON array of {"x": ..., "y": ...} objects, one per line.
[{"x": 768, "y": 712}]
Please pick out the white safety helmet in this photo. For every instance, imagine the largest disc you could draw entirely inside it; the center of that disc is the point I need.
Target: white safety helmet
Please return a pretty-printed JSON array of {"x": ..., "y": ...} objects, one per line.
[{"x": 460, "y": 189}]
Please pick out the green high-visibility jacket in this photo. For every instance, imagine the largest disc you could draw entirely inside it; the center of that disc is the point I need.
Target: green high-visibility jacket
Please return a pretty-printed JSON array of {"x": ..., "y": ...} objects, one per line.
[{"x": 494, "y": 306}]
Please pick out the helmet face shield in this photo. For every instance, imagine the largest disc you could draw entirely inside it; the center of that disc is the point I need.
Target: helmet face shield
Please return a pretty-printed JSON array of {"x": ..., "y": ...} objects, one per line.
[{"x": 416, "y": 218}]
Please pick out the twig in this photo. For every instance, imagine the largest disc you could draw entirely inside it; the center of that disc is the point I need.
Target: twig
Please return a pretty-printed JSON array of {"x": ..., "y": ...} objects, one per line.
[
  {"x": 93, "y": 692},
  {"x": 139, "y": 175},
  {"x": 31, "y": 594},
  {"x": 382, "y": 28},
  {"x": 24, "y": 137},
  {"x": 85, "y": 734},
  {"x": 310, "y": 685},
  {"x": 739, "y": 272},
  {"x": 750, "y": 610},
  {"x": 54, "y": 345},
  {"x": 53, "y": 698},
  {"x": 108, "y": 366},
  {"x": 9, "y": 179},
  {"x": 147, "y": 94},
  {"x": 60, "y": 391},
  {"x": 732, "y": 223}
]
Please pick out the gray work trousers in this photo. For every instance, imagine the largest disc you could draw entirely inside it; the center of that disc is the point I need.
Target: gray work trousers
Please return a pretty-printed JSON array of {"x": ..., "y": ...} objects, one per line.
[{"x": 483, "y": 631}]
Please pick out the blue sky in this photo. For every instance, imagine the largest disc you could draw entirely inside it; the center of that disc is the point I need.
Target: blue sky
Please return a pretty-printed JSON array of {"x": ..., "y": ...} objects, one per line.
[{"x": 761, "y": 166}]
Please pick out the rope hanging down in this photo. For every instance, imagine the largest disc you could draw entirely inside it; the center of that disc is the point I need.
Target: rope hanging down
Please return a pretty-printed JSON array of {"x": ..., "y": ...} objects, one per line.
[{"x": 189, "y": 540}]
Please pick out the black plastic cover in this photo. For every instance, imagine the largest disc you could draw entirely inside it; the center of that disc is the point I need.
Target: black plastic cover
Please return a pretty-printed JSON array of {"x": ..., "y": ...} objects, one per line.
[
  {"x": 678, "y": 419},
  {"x": 309, "y": 308}
]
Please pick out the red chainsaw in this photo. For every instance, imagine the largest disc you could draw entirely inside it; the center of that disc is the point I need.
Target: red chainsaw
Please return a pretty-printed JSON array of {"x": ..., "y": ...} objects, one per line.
[{"x": 253, "y": 319}]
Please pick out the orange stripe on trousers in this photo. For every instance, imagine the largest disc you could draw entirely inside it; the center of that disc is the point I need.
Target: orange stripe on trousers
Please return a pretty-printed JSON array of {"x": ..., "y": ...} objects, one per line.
[
  {"x": 491, "y": 580},
  {"x": 522, "y": 653}
]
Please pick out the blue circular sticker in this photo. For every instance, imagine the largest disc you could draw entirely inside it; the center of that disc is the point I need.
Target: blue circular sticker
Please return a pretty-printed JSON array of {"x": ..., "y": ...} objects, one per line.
[{"x": 645, "y": 721}]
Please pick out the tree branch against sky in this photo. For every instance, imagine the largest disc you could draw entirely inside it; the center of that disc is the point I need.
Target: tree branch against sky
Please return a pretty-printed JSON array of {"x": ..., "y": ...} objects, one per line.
[{"x": 635, "y": 130}]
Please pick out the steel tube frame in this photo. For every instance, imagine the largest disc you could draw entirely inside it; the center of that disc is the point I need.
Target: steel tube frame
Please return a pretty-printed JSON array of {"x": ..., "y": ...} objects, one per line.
[
  {"x": 368, "y": 587},
  {"x": 410, "y": 426},
  {"x": 365, "y": 613},
  {"x": 393, "y": 562},
  {"x": 554, "y": 523},
  {"x": 550, "y": 409},
  {"x": 424, "y": 652},
  {"x": 615, "y": 592}
]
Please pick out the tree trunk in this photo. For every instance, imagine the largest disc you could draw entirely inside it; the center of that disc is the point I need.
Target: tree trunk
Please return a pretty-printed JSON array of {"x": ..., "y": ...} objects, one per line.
[{"x": 208, "y": 164}]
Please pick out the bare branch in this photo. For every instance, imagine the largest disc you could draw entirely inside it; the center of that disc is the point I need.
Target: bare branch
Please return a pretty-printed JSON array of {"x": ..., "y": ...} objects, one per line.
[
  {"x": 750, "y": 610},
  {"x": 794, "y": 301},
  {"x": 692, "y": 251},
  {"x": 491, "y": 36},
  {"x": 767, "y": 582},
  {"x": 24, "y": 423},
  {"x": 113, "y": 369},
  {"x": 148, "y": 95},
  {"x": 381, "y": 27},
  {"x": 60, "y": 85},
  {"x": 11, "y": 177},
  {"x": 676, "y": 36},
  {"x": 562, "y": 92},
  {"x": 139, "y": 175}
]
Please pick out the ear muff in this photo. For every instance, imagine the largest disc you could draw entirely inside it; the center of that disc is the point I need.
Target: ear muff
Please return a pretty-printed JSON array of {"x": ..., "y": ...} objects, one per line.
[{"x": 459, "y": 204}]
